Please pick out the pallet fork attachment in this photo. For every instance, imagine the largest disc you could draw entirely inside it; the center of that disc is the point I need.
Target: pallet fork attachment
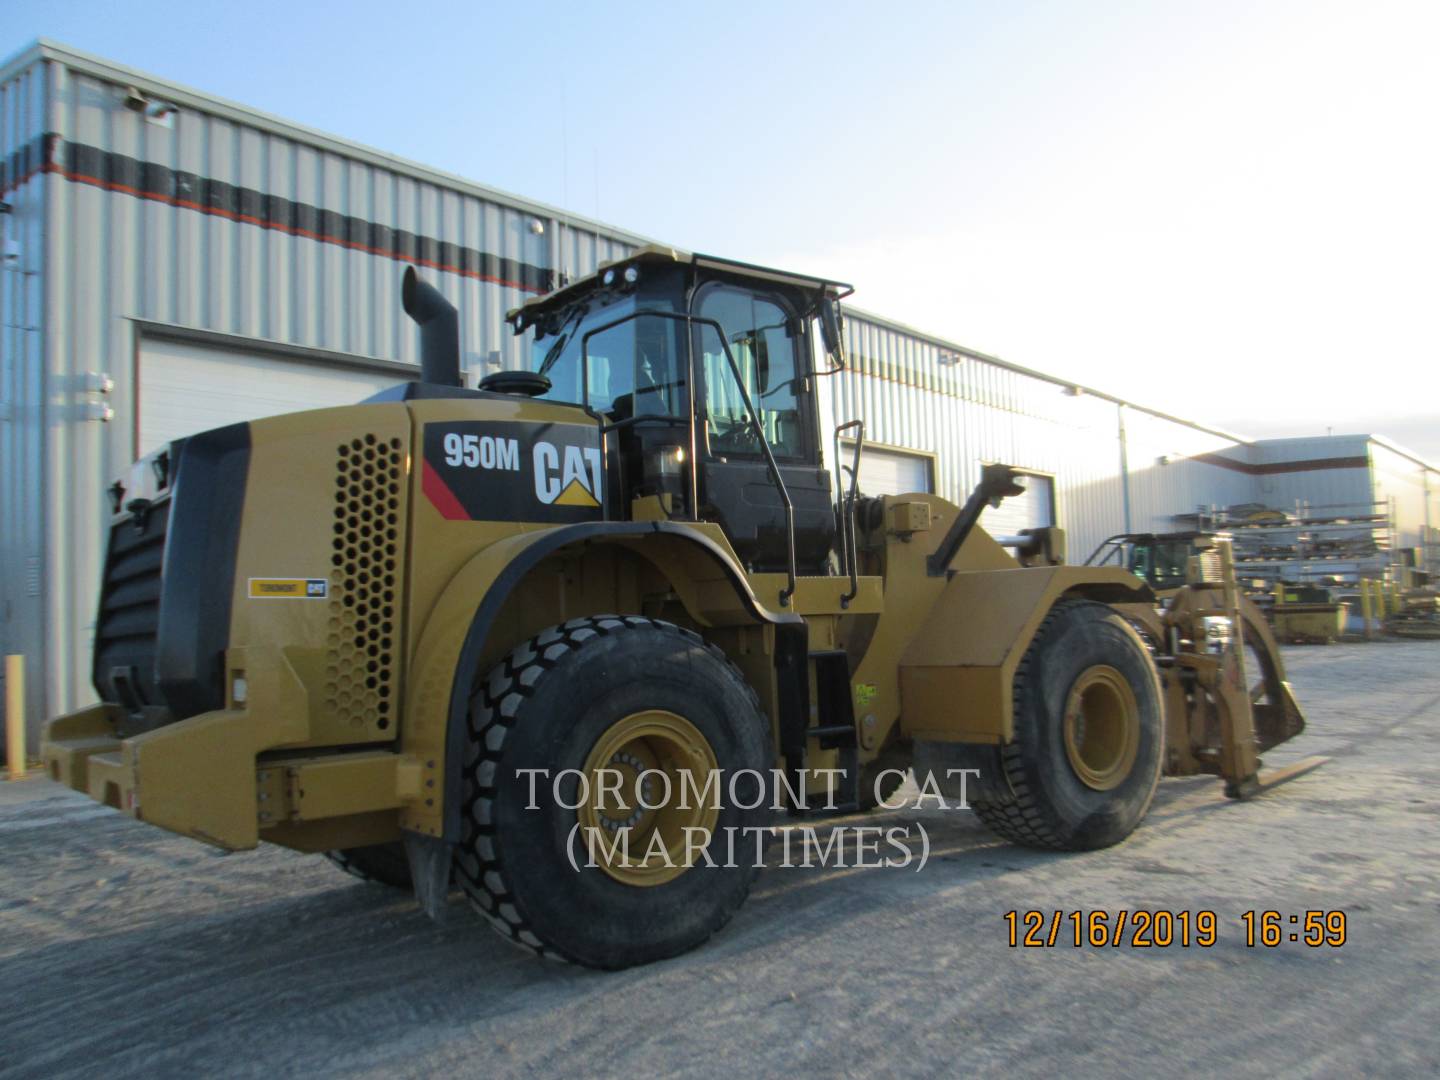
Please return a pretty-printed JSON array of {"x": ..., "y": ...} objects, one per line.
[{"x": 1225, "y": 677}]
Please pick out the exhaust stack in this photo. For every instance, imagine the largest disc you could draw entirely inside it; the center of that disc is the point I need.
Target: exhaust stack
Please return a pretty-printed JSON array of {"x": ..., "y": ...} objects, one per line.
[{"x": 439, "y": 330}]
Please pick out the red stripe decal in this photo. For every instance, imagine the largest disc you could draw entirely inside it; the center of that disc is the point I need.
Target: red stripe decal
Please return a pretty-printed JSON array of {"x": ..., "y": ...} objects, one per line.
[
  {"x": 440, "y": 495},
  {"x": 289, "y": 230},
  {"x": 1267, "y": 468}
]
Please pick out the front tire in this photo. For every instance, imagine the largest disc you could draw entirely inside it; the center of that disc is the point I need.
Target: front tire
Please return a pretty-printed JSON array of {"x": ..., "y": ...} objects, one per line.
[
  {"x": 629, "y": 695},
  {"x": 1089, "y": 735}
]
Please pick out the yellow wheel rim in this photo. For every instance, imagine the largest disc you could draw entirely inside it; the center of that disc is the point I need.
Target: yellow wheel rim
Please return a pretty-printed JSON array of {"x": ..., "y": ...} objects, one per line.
[
  {"x": 647, "y": 777},
  {"x": 1102, "y": 727}
]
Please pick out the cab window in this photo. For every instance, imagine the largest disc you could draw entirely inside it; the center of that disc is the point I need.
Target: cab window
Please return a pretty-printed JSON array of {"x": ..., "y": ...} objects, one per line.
[
  {"x": 632, "y": 368},
  {"x": 761, "y": 338}
]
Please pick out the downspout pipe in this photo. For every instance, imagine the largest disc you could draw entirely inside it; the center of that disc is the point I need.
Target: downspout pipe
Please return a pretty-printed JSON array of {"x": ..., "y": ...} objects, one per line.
[{"x": 1124, "y": 467}]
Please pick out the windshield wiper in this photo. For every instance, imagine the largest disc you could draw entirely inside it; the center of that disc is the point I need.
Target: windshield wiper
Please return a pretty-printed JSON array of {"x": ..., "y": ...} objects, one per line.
[{"x": 561, "y": 339}]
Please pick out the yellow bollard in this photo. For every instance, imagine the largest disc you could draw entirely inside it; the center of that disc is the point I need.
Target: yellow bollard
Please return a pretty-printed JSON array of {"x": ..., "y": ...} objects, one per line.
[{"x": 15, "y": 715}]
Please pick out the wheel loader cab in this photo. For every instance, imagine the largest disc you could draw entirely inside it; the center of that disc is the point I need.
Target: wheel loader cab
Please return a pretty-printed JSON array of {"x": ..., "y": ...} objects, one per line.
[
  {"x": 1163, "y": 560},
  {"x": 702, "y": 380},
  {"x": 1162, "y": 563}
]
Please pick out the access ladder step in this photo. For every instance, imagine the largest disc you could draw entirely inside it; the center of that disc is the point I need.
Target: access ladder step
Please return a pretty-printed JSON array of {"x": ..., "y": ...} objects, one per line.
[
  {"x": 836, "y": 710},
  {"x": 844, "y": 734},
  {"x": 834, "y": 730}
]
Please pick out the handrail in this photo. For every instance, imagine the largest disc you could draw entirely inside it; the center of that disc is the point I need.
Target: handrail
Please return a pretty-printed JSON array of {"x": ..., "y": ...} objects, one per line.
[
  {"x": 1113, "y": 543},
  {"x": 849, "y": 546},
  {"x": 789, "y": 590}
]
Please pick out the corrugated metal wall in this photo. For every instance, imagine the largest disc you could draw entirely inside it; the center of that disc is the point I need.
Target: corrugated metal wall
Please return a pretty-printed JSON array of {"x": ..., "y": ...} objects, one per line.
[
  {"x": 1410, "y": 489},
  {"x": 1172, "y": 470},
  {"x": 1342, "y": 490},
  {"x": 199, "y": 220},
  {"x": 214, "y": 219},
  {"x": 24, "y": 417},
  {"x": 925, "y": 395}
]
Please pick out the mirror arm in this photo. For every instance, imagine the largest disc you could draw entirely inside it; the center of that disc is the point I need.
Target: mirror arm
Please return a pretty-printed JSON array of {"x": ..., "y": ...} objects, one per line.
[{"x": 826, "y": 310}]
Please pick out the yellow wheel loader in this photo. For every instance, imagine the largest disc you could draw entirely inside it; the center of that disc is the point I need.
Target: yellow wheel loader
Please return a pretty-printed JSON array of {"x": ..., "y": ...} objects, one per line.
[
  {"x": 559, "y": 639},
  {"x": 1230, "y": 647}
]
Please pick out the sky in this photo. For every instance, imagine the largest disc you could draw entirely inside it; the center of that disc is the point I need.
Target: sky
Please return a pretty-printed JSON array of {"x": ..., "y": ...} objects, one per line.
[{"x": 1227, "y": 211}]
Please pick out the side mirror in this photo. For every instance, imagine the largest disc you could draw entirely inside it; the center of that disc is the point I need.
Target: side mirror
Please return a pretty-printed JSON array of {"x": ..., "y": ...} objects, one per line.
[{"x": 832, "y": 330}]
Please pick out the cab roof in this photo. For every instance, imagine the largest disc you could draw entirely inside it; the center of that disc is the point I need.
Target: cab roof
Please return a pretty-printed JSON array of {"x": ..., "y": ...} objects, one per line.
[{"x": 528, "y": 313}]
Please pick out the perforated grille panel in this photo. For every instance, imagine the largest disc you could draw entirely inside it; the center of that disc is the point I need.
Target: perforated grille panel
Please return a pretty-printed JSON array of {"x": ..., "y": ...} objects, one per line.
[
  {"x": 359, "y": 676},
  {"x": 1211, "y": 572}
]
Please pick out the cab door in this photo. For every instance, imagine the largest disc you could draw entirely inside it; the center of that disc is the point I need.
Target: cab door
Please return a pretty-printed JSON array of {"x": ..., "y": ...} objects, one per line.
[{"x": 767, "y": 340}]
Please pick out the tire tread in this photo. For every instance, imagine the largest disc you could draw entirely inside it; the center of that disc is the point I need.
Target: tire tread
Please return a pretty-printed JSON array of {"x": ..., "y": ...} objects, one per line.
[
  {"x": 494, "y": 711},
  {"x": 1020, "y": 820}
]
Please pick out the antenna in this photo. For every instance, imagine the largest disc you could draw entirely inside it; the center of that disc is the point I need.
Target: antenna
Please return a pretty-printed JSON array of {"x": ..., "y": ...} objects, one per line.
[{"x": 564, "y": 186}]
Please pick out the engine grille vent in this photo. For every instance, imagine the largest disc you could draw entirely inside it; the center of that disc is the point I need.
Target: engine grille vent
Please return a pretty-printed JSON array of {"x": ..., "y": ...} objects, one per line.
[
  {"x": 1211, "y": 572},
  {"x": 359, "y": 676},
  {"x": 129, "y": 617}
]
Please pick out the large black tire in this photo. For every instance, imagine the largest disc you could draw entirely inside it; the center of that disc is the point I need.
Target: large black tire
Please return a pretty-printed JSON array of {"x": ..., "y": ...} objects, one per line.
[
  {"x": 549, "y": 705},
  {"x": 385, "y": 864},
  {"x": 1051, "y": 802}
]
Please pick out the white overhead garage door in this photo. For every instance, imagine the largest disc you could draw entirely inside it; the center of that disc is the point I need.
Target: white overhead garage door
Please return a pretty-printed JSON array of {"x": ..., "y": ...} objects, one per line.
[
  {"x": 186, "y": 387},
  {"x": 1033, "y": 509},
  {"x": 890, "y": 472}
]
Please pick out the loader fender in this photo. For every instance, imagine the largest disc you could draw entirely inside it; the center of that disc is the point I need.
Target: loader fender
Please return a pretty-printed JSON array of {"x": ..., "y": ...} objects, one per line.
[
  {"x": 455, "y": 638},
  {"x": 957, "y": 675}
]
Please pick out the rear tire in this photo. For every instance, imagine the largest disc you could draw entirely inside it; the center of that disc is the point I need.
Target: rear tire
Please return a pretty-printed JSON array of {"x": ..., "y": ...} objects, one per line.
[
  {"x": 384, "y": 864},
  {"x": 1089, "y": 735},
  {"x": 609, "y": 691}
]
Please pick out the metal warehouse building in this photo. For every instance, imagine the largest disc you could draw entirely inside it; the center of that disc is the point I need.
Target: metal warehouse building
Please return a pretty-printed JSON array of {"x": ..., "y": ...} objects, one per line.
[{"x": 173, "y": 262}]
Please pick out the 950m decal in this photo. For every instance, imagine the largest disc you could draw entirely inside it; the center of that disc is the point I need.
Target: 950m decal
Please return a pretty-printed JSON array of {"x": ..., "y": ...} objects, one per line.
[
  {"x": 268, "y": 588},
  {"x": 487, "y": 471}
]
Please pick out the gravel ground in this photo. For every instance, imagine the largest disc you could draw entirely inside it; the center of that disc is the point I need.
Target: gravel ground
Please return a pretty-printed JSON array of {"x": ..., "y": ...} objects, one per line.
[{"x": 131, "y": 952}]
